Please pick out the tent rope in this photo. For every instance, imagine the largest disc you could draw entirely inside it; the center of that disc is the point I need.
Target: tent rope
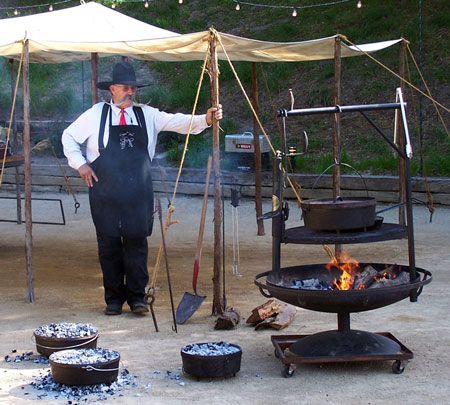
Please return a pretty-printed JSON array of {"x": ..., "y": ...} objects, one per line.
[
  {"x": 430, "y": 199},
  {"x": 344, "y": 38},
  {"x": 171, "y": 209},
  {"x": 254, "y": 112},
  {"x": 428, "y": 89},
  {"x": 11, "y": 116},
  {"x": 274, "y": 110}
]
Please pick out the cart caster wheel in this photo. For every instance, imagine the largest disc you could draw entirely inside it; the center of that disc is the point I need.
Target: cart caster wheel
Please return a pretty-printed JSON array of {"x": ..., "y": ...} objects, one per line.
[
  {"x": 399, "y": 366},
  {"x": 288, "y": 370},
  {"x": 275, "y": 353}
]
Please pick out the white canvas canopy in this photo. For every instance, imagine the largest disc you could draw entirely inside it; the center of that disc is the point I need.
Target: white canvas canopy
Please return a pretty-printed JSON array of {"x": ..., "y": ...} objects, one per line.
[
  {"x": 74, "y": 33},
  {"x": 91, "y": 30}
]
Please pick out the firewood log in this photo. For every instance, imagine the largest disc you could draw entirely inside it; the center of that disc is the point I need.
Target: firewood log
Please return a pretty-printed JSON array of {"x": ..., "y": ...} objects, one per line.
[
  {"x": 263, "y": 311},
  {"x": 365, "y": 278},
  {"x": 284, "y": 317},
  {"x": 402, "y": 278},
  {"x": 228, "y": 320}
]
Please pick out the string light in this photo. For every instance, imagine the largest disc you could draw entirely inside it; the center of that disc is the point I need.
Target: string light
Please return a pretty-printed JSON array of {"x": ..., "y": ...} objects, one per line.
[
  {"x": 294, "y": 12},
  {"x": 50, "y": 8},
  {"x": 359, "y": 5},
  {"x": 113, "y": 5},
  {"x": 180, "y": 1},
  {"x": 146, "y": 4},
  {"x": 16, "y": 12}
]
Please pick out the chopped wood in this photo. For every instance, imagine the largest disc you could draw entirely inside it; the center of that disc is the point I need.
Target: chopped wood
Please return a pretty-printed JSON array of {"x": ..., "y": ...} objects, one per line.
[
  {"x": 284, "y": 317},
  {"x": 263, "y": 311},
  {"x": 402, "y": 278},
  {"x": 266, "y": 323},
  {"x": 390, "y": 272},
  {"x": 228, "y": 319},
  {"x": 280, "y": 320},
  {"x": 365, "y": 279}
]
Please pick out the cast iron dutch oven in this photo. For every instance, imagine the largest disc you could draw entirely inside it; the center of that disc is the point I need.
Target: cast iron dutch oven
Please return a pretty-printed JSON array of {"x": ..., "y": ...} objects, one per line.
[
  {"x": 226, "y": 365},
  {"x": 339, "y": 213},
  {"x": 86, "y": 373},
  {"x": 46, "y": 345}
]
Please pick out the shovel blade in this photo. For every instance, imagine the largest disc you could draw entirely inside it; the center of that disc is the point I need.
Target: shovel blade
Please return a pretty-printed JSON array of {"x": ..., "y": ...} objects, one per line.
[{"x": 187, "y": 306}]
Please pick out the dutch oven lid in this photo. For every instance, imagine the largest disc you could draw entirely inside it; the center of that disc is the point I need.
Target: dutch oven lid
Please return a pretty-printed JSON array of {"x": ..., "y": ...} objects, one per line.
[{"x": 339, "y": 202}]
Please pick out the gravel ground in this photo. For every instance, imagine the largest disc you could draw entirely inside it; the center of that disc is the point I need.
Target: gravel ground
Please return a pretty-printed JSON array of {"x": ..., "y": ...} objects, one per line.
[{"x": 68, "y": 287}]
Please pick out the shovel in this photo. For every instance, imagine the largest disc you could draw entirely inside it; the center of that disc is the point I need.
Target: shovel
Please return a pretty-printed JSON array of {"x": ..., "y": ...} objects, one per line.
[{"x": 190, "y": 302}]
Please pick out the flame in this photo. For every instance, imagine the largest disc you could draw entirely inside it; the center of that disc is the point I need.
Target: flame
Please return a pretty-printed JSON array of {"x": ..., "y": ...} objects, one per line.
[{"x": 349, "y": 268}]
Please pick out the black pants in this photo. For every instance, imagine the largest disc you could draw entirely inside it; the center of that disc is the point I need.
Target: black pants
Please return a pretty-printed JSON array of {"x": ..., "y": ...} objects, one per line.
[{"x": 124, "y": 266}]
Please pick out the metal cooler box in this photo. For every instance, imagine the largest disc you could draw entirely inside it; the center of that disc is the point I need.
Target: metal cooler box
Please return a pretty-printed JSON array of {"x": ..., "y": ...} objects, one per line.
[{"x": 239, "y": 149}]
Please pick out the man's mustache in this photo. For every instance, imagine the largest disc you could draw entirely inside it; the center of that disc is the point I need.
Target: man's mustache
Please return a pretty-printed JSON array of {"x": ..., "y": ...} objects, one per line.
[{"x": 125, "y": 98}]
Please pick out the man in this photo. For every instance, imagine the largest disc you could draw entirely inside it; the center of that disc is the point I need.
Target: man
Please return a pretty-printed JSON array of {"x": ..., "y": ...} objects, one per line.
[{"x": 120, "y": 139}]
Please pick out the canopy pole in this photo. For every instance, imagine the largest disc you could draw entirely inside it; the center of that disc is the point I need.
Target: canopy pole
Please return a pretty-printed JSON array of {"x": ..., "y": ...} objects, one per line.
[
  {"x": 94, "y": 77},
  {"x": 401, "y": 143},
  {"x": 257, "y": 152},
  {"x": 337, "y": 130},
  {"x": 218, "y": 301},
  {"x": 27, "y": 180}
]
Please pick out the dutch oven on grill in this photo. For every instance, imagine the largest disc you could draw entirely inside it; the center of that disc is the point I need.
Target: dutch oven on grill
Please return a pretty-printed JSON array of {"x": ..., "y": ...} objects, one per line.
[{"x": 339, "y": 213}]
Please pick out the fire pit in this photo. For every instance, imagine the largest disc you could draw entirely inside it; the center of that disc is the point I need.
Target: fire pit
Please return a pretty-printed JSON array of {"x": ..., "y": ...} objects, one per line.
[
  {"x": 342, "y": 286},
  {"x": 294, "y": 286}
]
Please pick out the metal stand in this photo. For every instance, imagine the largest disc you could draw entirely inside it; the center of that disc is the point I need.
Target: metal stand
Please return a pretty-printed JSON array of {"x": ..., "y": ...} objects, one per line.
[{"x": 343, "y": 344}]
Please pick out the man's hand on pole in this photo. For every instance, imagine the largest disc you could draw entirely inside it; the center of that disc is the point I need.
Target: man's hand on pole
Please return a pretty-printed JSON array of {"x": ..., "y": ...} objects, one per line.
[
  {"x": 215, "y": 112},
  {"x": 87, "y": 174}
]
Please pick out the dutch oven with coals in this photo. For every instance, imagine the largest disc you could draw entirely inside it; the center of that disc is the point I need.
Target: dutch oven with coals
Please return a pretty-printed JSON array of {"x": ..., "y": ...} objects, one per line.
[
  {"x": 339, "y": 213},
  {"x": 62, "y": 336},
  {"x": 214, "y": 359},
  {"x": 85, "y": 366}
]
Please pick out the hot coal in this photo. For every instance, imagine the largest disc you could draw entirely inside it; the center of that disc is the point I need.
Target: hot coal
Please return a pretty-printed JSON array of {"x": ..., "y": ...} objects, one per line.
[
  {"x": 66, "y": 330},
  {"x": 210, "y": 349},
  {"x": 84, "y": 356},
  {"x": 49, "y": 388},
  {"x": 310, "y": 284},
  {"x": 26, "y": 356}
]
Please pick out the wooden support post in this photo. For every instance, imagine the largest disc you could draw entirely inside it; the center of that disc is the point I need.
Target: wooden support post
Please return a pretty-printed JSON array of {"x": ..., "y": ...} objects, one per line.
[
  {"x": 337, "y": 129},
  {"x": 257, "y": 152},
  {"x": 401, "y": 143},
  {"x": 27, "y": 181},
  {"x": 15, "y": 148},
  {"x": 94, "y": 77},
  {"x": 218, "y": 301}
]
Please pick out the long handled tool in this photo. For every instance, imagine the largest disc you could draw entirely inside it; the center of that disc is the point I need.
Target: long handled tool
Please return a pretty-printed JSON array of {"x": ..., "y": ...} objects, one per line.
[
  {"x": 158, "y": 207},
  {"x": 190, "y": 302}
]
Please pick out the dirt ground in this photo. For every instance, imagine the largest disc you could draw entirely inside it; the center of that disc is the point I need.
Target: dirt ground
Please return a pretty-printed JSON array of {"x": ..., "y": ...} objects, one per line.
[{"x": 68, "y": 287}]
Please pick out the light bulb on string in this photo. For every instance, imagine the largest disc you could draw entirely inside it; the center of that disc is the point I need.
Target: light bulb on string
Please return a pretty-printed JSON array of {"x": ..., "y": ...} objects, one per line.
[
  {"x": 238, "y": 7},
  {"x": 180, "y": 1},
  {"x": 294, "y": 12},
  {"x": 146, "y": 4},
  {"x": 16, "y": 12},
  {"x": 359, "y": 4},
  {"x": 50, "y": 7},
  {"x": 113, "y": 5}
]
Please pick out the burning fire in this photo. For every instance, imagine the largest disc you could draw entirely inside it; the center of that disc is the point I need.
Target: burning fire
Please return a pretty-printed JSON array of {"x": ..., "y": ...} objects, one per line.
[{"x": 349, "y": 268}]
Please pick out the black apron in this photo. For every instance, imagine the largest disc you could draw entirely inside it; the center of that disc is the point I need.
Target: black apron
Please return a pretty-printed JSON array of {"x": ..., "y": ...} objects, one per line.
[{"x": 122, "y": 199}]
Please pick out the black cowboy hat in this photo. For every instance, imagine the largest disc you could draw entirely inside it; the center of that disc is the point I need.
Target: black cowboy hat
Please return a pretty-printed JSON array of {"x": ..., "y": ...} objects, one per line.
[{"x": 123, "y": 73}]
